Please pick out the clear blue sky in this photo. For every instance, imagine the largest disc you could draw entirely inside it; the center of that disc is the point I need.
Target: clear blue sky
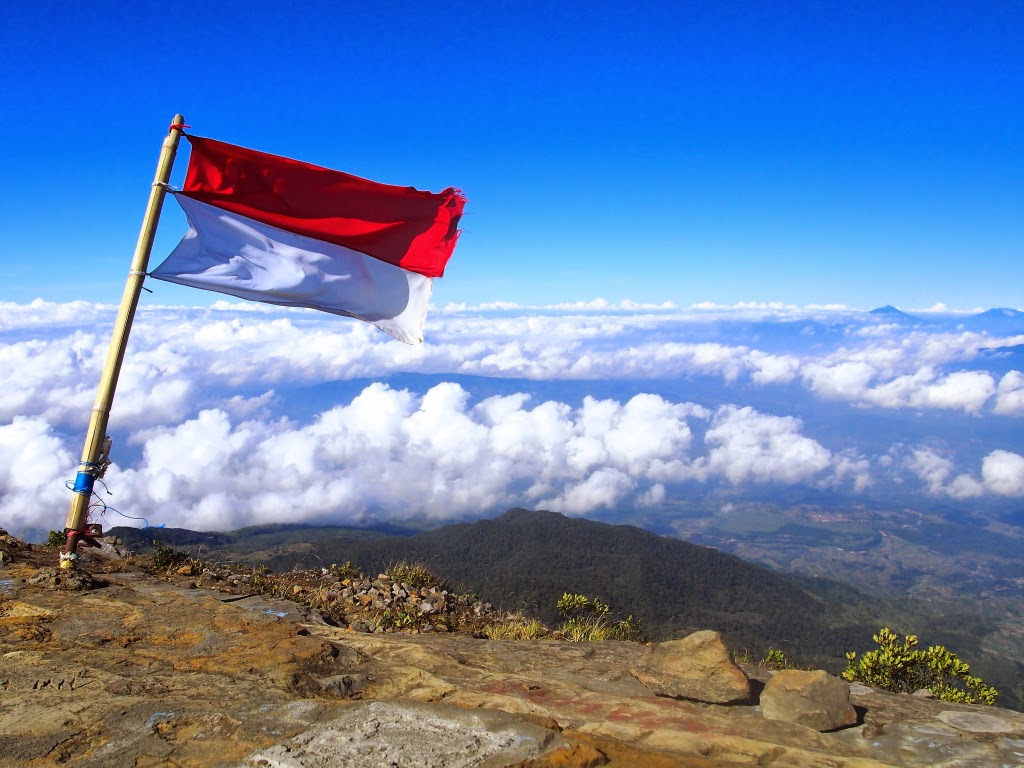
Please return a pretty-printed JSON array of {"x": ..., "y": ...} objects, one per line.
[{"x": 864, "y": 153}]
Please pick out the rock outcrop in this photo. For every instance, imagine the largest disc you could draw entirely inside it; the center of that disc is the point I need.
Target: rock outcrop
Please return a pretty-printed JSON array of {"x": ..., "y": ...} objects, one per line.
[
  {"x": 138, "y": 671},
  {"x": 815, "y": 699},
  {"x": 698, "y": 667}
]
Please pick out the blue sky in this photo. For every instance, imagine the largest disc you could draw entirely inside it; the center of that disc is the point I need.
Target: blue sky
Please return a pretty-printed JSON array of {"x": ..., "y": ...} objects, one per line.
[{"x": 861, "y": 154}]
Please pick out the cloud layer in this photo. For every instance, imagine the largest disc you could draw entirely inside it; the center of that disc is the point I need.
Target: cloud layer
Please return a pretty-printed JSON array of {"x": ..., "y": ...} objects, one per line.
[
  {"x": 53, "y": 354},
  {"x": 197, "y": 394},
  {"x": 393, "y": 454}
]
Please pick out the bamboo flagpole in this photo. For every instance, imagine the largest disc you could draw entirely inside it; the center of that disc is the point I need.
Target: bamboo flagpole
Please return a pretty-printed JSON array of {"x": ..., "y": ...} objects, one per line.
[{"x": 94, "y": 454}]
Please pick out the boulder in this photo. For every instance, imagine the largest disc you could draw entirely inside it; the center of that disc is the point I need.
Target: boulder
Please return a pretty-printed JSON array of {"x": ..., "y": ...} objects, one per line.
[
  {"x": 697, "y": 667},
  {"x": 110, "y": 550},
  {"x": 71, "y": 579},
  {"x": 344, "y": 686},
  {"x": 813, "y": 699}
]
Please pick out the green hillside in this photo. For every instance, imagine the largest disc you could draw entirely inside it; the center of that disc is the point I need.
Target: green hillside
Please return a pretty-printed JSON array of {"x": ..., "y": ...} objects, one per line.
[{"x": 525, "y": 559}]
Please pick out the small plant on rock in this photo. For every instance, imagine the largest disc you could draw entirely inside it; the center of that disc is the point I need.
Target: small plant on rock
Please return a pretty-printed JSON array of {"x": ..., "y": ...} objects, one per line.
[
  {"x": 776, "y": 659},
  {"x": 261, "y": 579},
  {"x": 165, "y": 557},
  {"x": 629, "y": 629},
  {"x": 515, "y": 626},
  {"x": 416, "y": 575},
  {"x": 55, "y": 539},
  {"x": 393, "y": 620},
  {"x": 900, "y": 668},
  {"x": 345, "y": 571},
  {"x": 587, "y": 620}
]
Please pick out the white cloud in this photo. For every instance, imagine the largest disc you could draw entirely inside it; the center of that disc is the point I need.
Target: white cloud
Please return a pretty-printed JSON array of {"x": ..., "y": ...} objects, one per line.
[
  {"x": 772, "y": 369},
  {"x": 48, "y": 315},
  {"x": 1003, "y": 473},
  {"x": 967, "y": 391},
  {"x": 603, "y": 488},
  {"x": 842, "y": 381},
  {"x": 931, "y": 468},
  {"x": 940, "y": 308},
  {"x": 965, "y": 487},
  {"x": 393, "y": 454},
  {"x": 47, "y": 378},
  {"x": 851, "y": 465},
  {"x": 34, "y": 466},
  {"x": 242, "y": 407},
  {"x": 964, "y": 390},
  {"x": 53, "y": 372},
  {"x": 747, "y": 445},
  {"x": 653, "y": 496},
  {"x": 1010, "y": 395},
  {"x": 198, "y": 391}
]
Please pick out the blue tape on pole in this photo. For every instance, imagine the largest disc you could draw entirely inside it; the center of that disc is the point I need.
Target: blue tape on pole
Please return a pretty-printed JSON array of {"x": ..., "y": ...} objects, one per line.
[{"x": 84, "y": 483}]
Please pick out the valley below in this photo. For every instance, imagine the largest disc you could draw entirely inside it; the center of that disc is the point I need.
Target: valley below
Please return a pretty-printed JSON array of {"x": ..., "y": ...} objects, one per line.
[{"x": 953, "y": 581}]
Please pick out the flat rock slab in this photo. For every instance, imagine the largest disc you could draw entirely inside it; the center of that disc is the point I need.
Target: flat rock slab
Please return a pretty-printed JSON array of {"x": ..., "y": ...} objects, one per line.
[
  {"x": 412, "y": 735},
  {"x": 975, "y": 722},
  {"x": 269, "y": 606},
  {"x": 141, "y": 673}
]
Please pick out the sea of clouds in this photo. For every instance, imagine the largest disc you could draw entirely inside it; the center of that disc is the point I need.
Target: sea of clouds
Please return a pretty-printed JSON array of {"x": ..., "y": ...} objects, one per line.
[{"x": 216, "y": 430}]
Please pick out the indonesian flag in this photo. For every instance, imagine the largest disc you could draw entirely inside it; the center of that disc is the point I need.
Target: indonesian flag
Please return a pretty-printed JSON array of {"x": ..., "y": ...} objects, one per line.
[{"x": 280, "y": 231}]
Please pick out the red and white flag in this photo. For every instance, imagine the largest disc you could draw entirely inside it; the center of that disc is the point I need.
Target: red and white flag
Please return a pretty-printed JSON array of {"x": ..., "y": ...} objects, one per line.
[{"x": 280, "y": 231}]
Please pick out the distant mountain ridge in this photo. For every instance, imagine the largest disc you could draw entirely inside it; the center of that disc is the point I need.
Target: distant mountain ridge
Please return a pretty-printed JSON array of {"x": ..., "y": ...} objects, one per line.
[
  {"x": 1001, "y": 313},
  {"x": 995, "y": 320},
  {"x": 890, "y": 311}
]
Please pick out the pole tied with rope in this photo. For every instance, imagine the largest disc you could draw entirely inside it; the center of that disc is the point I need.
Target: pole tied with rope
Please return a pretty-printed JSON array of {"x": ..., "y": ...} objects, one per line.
[{"x": 96, "y": 452}]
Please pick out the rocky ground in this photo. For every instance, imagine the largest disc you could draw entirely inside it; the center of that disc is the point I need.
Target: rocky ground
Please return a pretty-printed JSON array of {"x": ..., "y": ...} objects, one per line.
[{"x": 131, "y": 670}]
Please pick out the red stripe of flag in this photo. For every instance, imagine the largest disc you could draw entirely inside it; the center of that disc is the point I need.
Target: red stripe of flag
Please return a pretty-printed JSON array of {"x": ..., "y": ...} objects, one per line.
[{"x": 404, "y": 226}]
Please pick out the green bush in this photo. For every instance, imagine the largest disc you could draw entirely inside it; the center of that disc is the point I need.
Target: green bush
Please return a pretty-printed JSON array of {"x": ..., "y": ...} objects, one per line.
[
  {"x": 345, "y": 571},
  {"x": 776, "y": 659},
  {"x": 629, "y": 629},
  {"x": 587, "y": 620},
  {"x": 165, "y": 557},
  {"x": 898, "y": 667},
  {"x": 55, "y": 539},
  {"x": 515, "y": 626},
  {"x": 392, "y": 620},
  {"x": 417, "y": 576}
]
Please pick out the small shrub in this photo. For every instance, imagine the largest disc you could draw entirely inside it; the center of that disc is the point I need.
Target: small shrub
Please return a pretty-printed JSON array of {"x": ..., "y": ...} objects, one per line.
[
  {"x": 391, "y": 620},
  {"x": 587, "y": 621},
  {"x": 515, "y": 626},
  {"x": 165, "y": 557},
  {"x": 55, "y": 539},
  {"x": 898, "y": 667},
  {"x": 416, "y": 575},
  {"x": 775, "y": 659},
  {"x": 586, "y": 629},
  {"x": 629, "y": 629},
  {"x": 345, "y": 571},
  {"x": 570, "y": 605},
  {"x": 261, "y": 579}
]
